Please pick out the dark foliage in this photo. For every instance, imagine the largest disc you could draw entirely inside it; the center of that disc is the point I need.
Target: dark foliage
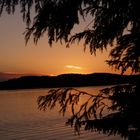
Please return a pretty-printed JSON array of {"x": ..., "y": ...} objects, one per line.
[
  {"x": 113, "y": 111},
  {"x": 113, "y": 22}
]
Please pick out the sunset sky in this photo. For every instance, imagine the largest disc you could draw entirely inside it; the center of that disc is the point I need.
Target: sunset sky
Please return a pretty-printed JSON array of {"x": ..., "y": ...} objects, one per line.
[{"x": 16, "y": 57}]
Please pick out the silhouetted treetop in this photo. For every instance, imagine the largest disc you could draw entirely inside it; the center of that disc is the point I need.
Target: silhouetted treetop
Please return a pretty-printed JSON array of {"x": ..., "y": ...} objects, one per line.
[{"x": 112, "y": 22}]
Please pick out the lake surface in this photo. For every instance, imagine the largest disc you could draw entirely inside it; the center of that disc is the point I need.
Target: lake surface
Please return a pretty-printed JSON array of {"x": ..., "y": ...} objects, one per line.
[{"x": 20, "y": 118}]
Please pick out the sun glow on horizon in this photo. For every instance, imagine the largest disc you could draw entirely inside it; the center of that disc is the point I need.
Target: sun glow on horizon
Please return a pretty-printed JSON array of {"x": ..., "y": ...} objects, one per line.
[
  {"x": 73, "y": 67},
  {"x": 41, "y": 59}
]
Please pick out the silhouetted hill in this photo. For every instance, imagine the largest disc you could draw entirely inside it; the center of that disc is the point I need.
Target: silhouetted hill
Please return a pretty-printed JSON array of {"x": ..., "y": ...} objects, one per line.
[
  {"x": 4, "y": 76},
  {"x": 67, "y": 80}
]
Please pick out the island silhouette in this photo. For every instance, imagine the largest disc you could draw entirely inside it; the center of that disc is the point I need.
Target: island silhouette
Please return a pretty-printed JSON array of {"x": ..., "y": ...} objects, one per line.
[{"x": 67, "y": 80}]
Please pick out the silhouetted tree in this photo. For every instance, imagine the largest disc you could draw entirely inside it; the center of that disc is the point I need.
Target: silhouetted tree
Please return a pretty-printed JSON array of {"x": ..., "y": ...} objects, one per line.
[
  {"x": 113, "y": 23},
  {"x": 112, "y": 111}
]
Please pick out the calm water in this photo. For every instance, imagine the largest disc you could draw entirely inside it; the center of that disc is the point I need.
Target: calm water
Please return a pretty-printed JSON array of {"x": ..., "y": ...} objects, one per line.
[{"x": 20, "y": 119}]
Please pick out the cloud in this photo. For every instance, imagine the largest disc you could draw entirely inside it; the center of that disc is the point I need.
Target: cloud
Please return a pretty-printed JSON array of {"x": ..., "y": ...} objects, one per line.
[{"x": 73, "y": 67}]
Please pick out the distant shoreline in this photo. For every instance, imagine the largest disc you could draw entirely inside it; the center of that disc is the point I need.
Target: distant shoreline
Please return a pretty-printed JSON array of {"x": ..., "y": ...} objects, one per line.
[{"x": 67, "y": 80}]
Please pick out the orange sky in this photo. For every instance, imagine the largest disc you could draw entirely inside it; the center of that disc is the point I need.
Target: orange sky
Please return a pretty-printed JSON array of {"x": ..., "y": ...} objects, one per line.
[{"x": 15, "y": 57}]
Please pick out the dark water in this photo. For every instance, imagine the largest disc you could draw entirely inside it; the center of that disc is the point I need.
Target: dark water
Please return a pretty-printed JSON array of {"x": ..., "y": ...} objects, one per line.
[{"x": 20, "y": 119}]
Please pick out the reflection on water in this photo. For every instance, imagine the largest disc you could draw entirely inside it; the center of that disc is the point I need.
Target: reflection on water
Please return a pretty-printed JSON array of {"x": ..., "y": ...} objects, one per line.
[{"x": 20, "y": 118}]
